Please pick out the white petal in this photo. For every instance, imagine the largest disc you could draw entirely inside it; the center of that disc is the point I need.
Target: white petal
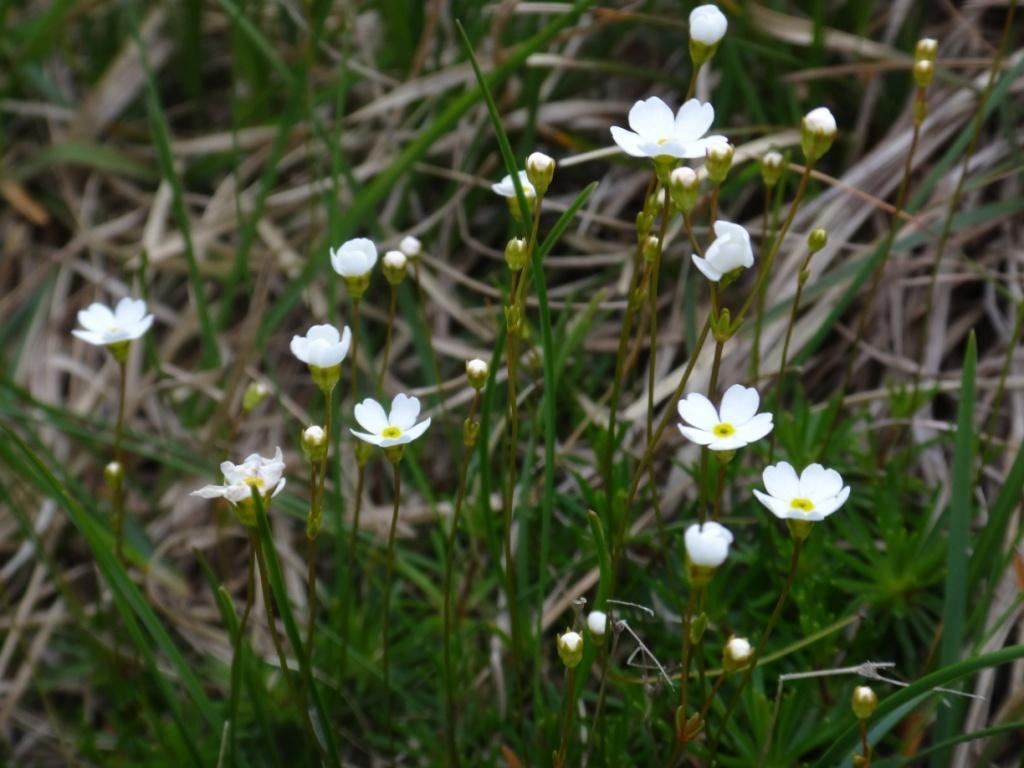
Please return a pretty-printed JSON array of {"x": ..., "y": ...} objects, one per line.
[
  {"x": 693, "y": 120},
  {"x": 828, "y": 506},
  {"x": 91, "y": 337},
  {"x": 209, "y": 492},
  {"x": 346, "y": 342},
  {"x": 371, "y": 417},
  {"x": 628, "y": 141},
  {"x": 280, "y": 487},
  {"x": 818, "y": 483},
  {"x": 96, "y": 317},
  {"x": 697, "y": 410},
  {"x": 366, "y": 438},
  {"x": 698, "y": 436},
  {"x": 706, "y": 268},
  {"x": 699, "y": 148},
  {"x": 781, "y": 481},
  {"x": 739, "y": 404},
  {"x": 142, "y": 326},
  {"x": 731, "y": 229},
  {"x": 326, "y": 332},
  {"x": 300, "y": 348},
  {"x": 756, "y": 428},
  {"x": 417, "y": 430},
  {"x": 733, "y": 442},
  {"x": 323, "y": 354},
  {"x": 404, "y": 410},
  {"x": 652, "y": 118},
  {"x": 129, "y": 310},
  {"x": 777, "y": 507}
]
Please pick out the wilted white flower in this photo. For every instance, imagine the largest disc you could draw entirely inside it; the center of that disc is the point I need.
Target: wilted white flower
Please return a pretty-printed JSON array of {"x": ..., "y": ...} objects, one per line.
[
  {"x": 390, "y": 429},
  {"x": 355, "y": 258},
  {"x": 736, "y": 424},
  {"x": 322, "y": 346},
  {"x": 731, "y": 250},
  {"x": 410, "y": 246},
  {"x": 507, "y": 189},
  {"x": 707, "y": 24},
  {"x": 597, "y": 623},
  {"x": 813, "y": 496},
  {"x": 707, "y": 544},
  {"x": 102, "y": 327},
  {"x": 265, "y": 475},
  {"x": 657, "y": 133}
]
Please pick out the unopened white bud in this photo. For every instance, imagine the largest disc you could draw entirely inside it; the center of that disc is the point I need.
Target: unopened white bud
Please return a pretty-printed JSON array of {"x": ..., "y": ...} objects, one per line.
[
  {"x": 570, "y": 648},
  {"x": 540, "y": 169},
  {"x": 314, "y": 443},
  {"x": 597, "y": 623},
  {"x": 477, "y": 371},
  {"x": 819, "y": 129},
  {"x": 410, "y": 246},
  {"x": 736, "y": 654},
  {"x": 393, "y": 266}
]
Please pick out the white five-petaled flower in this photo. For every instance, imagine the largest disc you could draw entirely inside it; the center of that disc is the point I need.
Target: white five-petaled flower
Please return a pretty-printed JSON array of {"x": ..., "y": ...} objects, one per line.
[
  {"x": 731, "y": 250},
  {"x": 322, "y": 346},
  {"x": 735, "y": 424},
  {"x": 354, "y": 258},
  {"x": 707, "y": 544},
  {"x": 506, "y": 188},
  {"x": 707, "y": 24},
  {"x": 657, "y": 133},
  {"x": 265, "y": 475},
  {"x": 813, "y": 496},
  {"x": 101, "y": 326},
  {"x": 389, "y": 429}
]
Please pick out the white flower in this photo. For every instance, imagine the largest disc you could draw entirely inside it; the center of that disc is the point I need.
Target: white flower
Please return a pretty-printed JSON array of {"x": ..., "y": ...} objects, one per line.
[
  {"x": 730, "y": 250},
  {"x": 656, "y": 133},
  {"x": 735, "y": 424},
  {"x": 265, "y": 475},
  {"x": 101, "y": 326},
  {"x": 707, "y": 24},
  {"x": 410, "y": 246},
  {"x": 322, "y": 346},
  {"x": 355, "y": 258},
  {"x": 707, "y": 545},
  {"x": 396, "y": 428},
  {"x": 821, "y": 122},
  {"x": 813, "y": 496},
  {"x": 506, "y": 188},
  {"x": 736, "y": 654},
  {"x": 597, "y": 623}
]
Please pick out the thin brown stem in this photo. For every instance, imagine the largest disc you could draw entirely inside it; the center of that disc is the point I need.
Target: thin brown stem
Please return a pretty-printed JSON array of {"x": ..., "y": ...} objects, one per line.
[
  {"x": 118, "y": 499},
  {"x": 388, "y": 577},
  {"x": 386, "y": 353}
]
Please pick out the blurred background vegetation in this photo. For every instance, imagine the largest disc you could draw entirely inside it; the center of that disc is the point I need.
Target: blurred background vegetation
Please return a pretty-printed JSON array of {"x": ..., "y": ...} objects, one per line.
[{"x": 205, "y": 155}]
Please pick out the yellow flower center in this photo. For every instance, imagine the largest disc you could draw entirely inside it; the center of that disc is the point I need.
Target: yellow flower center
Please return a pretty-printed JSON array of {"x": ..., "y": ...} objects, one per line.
[
  {"x": 391, "y": 432},
  {"x": 804, "y": 505},
  {"x": 661, "y": 142},
  {"x": 723, "y": 430},
  {"x": 254, "y": 482}
]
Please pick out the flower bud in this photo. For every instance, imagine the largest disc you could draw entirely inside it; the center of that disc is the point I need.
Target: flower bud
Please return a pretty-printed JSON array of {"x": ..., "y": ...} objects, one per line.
[
  {"x": 707, "y": 546},
  {"x": 926, "y": 50},
  {"x": 410, "y": 246},
  {"x": 818, "y": 132},
  {"x": 113, "y": 475},
  {"x": 597, "y": 623},
  {"x": 707, "y": 28},
  {"x": 540, "y": 169},
  {"x": 737, "y": 654},
  {"x": 255, "y": 394},
  {"x": 393, "y": 266},
  {"x": 314, "y": 443},
  {"x": 650, "y": 248},
  {"x": 684, "y": 186},
  {"x": 470, "y": 431},
  {"x": 719, "y": 161},
  {"x": 817, "y": 240},
  {"x": 515, "y": 254},
  {"x": 477, "y": 371},
  {"x": 923, "y": 72},
  {"x": 772, "y": 165},
  {"x": 570, "y": 648},
  {"x": 864, "y": 701}
]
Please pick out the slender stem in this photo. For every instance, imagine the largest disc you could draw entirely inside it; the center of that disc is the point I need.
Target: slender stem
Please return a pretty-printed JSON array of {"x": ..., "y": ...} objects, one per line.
[
  {"x": 118, "y": 458},
  {"x": 567, "y": 715},
  {"x": 392, "y": 308},
  {"x": 607, "y": 654},
  {"x": 954, "y": 201},
  {"x": 716, "y": 364},
  {"x": 236, "y": 654},
  {"x": 761, "y": 644},
  {"x": 684, "y": 656},
  {"x": 449, "y": 630},
  {"x": 268, "y": 604},
  {"x": 652, "y": 360},
  {"x": 691, "y": 89},
  {"x": 388, "y": 576},
  {"x": 864, "y": 745},
  {"x": 706, "y": 706},
  {"x": 350, "y": 567},
  {"x": 355, "y": 350},
  {"x": 755, "y": 347}
]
